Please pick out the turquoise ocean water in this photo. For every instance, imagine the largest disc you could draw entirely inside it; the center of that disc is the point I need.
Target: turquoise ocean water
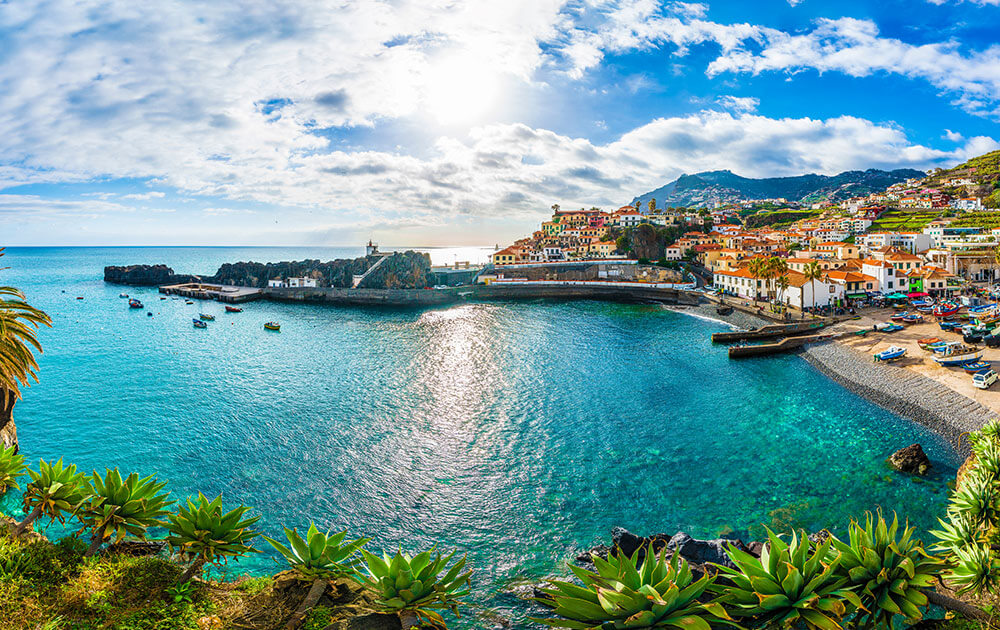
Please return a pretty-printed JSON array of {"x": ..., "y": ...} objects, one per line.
[{"x": 517, "y": 433}]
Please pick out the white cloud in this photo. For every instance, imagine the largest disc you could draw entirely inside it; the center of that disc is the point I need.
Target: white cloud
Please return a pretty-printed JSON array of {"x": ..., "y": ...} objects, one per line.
[
  {"x": 739, "y": 104},
  {"x": 952, "y": 136},
  {"x": 155, "y": 194}
]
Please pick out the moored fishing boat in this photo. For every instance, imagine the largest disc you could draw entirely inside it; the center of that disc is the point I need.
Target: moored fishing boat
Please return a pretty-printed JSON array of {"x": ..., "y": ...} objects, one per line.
[
  {"x": 891, "y": 354},
  {"x": 233, "y": 309},
  {"x": 272, "y": 326},
  {"x": 123, "y": 295},
  {"x": 134, "y": 303},
  {"x": 198, "y": 323},
  {"x": 958, "y": 354},
  {"x": 976, "y": 366},
  {"x": 206, "y": 317}
]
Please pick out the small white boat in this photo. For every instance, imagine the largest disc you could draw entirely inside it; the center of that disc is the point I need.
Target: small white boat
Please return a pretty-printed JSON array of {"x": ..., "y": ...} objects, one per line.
[
  {"x": 893, "y": 353},
  {"x": 123, "y": 295}
]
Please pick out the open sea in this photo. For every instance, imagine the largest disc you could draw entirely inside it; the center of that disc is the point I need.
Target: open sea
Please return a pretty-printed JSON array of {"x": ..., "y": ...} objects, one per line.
[{"x": 516, "y": 433}]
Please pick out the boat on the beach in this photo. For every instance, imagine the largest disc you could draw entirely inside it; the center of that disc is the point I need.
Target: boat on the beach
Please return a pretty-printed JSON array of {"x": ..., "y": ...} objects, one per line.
[
  {"x": 272, "y": 326},
  {"x": 893, "y": 353},
  {"x": 945, "y": 309},
  {"x": 928, "y": 341},
  {"x": 887, "y": 327},
  {"x": 233, "y": 309},
  {"x": 133, "y": 303},
  {"x": 949, "y": 326},
  {"x": 913, "y": 318},
  {"x": 199, "y": 324},
  {"x": 958, "y": 354},
  {"x": 898, "y": 317},
  {"x": 976, "y": 366},
  {"x": 206, "y": 317}
]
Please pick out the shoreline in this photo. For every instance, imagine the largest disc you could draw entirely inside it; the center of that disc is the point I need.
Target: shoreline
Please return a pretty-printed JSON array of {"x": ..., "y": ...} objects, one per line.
[{"x": 904, "y": 392}]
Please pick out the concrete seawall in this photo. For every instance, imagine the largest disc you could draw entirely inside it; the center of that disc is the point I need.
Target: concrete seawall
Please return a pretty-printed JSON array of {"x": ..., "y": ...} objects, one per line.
[
  {"x": 364, "y": 297},
  {"x": 638, "y": 293}
]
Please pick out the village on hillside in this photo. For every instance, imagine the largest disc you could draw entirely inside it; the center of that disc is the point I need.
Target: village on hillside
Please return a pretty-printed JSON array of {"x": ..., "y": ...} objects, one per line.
[{"x": 928, "y": 235}]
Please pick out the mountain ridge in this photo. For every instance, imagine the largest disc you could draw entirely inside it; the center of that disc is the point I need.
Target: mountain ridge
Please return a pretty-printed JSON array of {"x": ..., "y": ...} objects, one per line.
[{"x": 707, "y": 187}]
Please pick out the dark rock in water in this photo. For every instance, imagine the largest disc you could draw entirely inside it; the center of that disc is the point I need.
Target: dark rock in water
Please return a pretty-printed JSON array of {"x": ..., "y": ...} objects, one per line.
[
  {"x": 696, "y": 552},
  {"x": 145, "y": 275},
  {"x": 819, "y": 537},
  {"x": 704, "y": 551},
  {"x": 137, "y": 548},
  {"x": 911, "y": 460},
  {"x": 755, "y": 548}
]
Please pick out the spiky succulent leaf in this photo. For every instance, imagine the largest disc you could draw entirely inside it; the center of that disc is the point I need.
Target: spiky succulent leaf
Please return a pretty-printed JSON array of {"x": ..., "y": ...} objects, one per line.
[
  {"x": 119, "y": 507},
  {"x": 12, "y": 468},
  {"x": 887, "y": 569},
  {"x": 56, "y": 489},
  {"x": 203, "y": 531},
  {"x": 319, "y": 554},
  {"x": 790, "y": 584},
  {"x": 658, "y": 593},
  {"x": 416, "y": 584}
]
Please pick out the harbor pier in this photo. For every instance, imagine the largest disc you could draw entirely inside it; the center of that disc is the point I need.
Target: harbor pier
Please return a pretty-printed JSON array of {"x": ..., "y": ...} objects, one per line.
[{"x": 219, "y": 292}]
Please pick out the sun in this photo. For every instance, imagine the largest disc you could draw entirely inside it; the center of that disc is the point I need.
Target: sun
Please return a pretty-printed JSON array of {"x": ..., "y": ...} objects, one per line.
[{"x": 460, "y": 90}]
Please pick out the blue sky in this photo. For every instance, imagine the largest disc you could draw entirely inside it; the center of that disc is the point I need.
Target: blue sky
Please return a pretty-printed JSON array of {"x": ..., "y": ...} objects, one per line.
[{"x": 450, "y": 122}]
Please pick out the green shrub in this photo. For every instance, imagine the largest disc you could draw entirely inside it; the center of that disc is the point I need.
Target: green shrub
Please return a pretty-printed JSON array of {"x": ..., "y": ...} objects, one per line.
[
  {"x": 416, "y": 585},
  {"x": 205, "y": 534},
  {"x": 117, "y": 507},
  {"x": 887, "y": 570},
  {"x": 54, "y": 491},
  {"x": 11, "y": 468},
  {"x": 657, "y": 594},
  {"x": 789, "y": 585},
  {"x": 319, "y": 554}
]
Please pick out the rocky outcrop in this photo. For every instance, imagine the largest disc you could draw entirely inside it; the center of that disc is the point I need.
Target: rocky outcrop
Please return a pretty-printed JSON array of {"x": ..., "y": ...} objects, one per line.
[
  {"x": 911, "y": 460},
  {"x": 8, "y": 430},
  {"x": 401, "y": 270},
  {"x": 145, "y": 275},
  {"x": 697, "y": 552}
]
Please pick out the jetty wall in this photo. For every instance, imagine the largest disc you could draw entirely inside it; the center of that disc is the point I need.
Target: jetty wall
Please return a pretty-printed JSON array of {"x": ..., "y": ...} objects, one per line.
[
  {"x": 616, "y": 292},
  {"x": 363, "y": 297}
]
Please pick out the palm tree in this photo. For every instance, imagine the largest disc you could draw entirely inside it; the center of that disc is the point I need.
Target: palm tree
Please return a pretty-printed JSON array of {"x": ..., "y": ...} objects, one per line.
[
  {"x": 756, "y": 267},
  {"x": 555, "y": 207},
  {"x": 776, "y": 268},
  {"x": 19, "y": 322},
  {"x": 812, "y": 272},
  {"x": 652, "y": 206}
]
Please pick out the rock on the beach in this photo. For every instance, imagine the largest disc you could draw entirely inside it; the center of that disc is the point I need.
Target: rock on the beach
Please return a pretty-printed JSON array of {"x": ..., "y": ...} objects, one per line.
[
  {"x": 911, "y": 459},
  {"x": 695, "y": 551}
]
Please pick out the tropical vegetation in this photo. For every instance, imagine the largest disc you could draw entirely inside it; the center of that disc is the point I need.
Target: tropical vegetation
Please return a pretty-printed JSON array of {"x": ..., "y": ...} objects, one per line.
[
  {"x": 204, "y": 533},
  {"x": 12, "y": 468},
  {"x": 320, "y": 555}
]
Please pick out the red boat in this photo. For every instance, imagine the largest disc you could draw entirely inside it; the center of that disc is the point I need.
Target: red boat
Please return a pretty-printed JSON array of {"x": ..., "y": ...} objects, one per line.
[
  {"x": 233, "y": 309},
  {"x": 898, "y": 317}
]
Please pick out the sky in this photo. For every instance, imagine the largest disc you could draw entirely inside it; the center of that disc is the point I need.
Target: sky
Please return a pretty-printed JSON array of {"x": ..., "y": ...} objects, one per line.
[{"x": 457, "y": 122}]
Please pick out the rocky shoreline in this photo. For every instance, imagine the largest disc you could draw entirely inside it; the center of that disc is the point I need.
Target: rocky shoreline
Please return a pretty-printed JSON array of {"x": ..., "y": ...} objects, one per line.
[{"x": 904, "y": 392}]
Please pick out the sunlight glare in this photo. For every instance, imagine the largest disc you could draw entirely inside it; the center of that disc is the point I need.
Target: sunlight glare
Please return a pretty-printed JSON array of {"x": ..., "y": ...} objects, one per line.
[{"x": 459, "y": 90}]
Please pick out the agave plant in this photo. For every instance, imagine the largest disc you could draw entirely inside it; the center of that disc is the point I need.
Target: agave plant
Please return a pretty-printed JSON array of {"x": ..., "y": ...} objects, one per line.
[
  {"x": 320, "y": 555},
  {"x": 974, "y": 570},
  {"x": 958, "y": 531},
  {"x": 204, "y": 534},
  {"x": 887, "y": 568},
  {"x": 117, "y": 507},
  {"x": 977, "y": 498},
  {"x": 54, "y": 491},
  {"x": 414, "y": 587},
  {"x": 788, "y": 585},
  {"x": 658, "y": 594},
  {"x": 11, "y": 468}
]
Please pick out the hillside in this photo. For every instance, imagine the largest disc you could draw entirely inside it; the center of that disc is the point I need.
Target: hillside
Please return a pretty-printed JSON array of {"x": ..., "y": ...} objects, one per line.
[
  {"x": 983, "y": 169},
  {"x": 703, "y": 189}
]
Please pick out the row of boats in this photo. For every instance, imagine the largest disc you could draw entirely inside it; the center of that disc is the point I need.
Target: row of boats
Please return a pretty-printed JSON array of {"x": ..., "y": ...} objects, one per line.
[
  {"x": 947, "y": 353},
  {"x": 203, "y": 318}
]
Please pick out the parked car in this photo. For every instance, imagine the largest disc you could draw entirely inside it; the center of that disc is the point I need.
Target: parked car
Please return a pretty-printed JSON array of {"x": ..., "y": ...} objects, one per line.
[{"x": 984, "y": 379}]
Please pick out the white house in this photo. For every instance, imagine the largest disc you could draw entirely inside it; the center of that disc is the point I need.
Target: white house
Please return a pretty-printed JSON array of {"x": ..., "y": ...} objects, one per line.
[
  {"x": 299, "y": 283},
  {"x": 912, "y": 242}
]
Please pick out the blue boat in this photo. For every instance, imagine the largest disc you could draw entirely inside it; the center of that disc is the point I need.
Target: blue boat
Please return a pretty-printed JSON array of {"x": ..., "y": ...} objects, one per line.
[
  {"x": 891, "y": 354},
  {"x": 976, "y": 366},
  {"x": 199, "y": 324},
  {"x": 891, "y": 328},
  {"x": 958, "y": 354}
]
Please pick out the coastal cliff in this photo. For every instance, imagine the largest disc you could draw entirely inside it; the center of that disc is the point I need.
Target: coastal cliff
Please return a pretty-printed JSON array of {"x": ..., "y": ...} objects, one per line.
[
  {"x": 400, "y": 270},
  {"x": 8, "y": 430}
]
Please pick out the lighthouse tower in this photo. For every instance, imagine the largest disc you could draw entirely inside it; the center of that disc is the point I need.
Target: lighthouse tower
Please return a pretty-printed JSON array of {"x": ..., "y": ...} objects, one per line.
[{"x": 371, "y": 249}]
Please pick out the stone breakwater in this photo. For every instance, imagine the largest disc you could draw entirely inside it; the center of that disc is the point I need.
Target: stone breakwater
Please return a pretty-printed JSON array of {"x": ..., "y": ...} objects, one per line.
[{"x": 902, "y": 391}]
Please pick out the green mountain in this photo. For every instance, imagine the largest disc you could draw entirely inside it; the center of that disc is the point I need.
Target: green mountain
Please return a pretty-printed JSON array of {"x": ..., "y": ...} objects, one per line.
[
  {"x": 984, "y": 169},
  {"x": 704, "y": 189}
]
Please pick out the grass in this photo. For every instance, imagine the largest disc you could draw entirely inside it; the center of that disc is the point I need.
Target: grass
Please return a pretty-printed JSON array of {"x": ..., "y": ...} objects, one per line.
[
  {"x": 905, "y": 220},
  {"x": 45, "y": 586}
]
